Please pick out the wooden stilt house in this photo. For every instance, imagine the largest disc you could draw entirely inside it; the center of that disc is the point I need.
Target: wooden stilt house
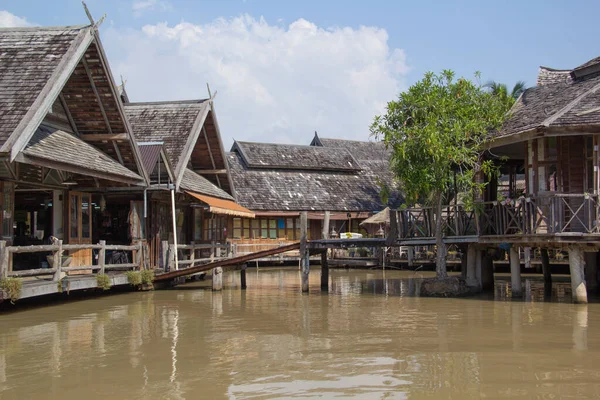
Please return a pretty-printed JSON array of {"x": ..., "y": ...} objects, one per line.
[{"x": 64, "y": 138}]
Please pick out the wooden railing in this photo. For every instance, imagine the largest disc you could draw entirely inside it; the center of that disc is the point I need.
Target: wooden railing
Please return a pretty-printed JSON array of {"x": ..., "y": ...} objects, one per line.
[
  {"x": 198, "y": 254},
  {"x": 7, "y": 252},
  {"x": 242, "y": 247},
  {"x": 553, "y": 213}
]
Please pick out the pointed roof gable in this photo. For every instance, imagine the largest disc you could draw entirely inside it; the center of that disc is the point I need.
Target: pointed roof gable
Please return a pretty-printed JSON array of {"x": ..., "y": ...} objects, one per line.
[
  {"x": 190, "y": 134},
  {"x": 44, "y": 65}
]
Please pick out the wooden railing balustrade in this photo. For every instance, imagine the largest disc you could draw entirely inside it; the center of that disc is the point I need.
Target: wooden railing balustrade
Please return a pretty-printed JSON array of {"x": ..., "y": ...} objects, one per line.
[
  {"x": 7, "y": 252},
  {"x": 190, "y": 255},
  {"x": 550, "y": 213}
]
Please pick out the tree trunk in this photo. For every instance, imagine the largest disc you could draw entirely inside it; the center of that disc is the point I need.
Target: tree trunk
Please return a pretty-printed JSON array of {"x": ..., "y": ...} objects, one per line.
[{"x": 440, "y": 265}]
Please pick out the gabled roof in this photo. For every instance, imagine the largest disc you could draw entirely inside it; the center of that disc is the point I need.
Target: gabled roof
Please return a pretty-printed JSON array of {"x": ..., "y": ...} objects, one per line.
[
  {"x": 30, "y": 59},
  {"x": 561, "y": 102},
  {"x": 170, "y": 122},
  {"x": 64, "y": 151},
  {"x": 190, "y": 135},
  {"x": 41, "y": 67},
  {"x": 281, "y": 188},
  {"x": 295, "y": 157}
]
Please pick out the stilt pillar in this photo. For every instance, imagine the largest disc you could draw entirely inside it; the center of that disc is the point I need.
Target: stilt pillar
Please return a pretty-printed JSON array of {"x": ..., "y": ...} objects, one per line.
[
  {"x": 515, "y": 272},
  {"x": 576, "y": 265},
  {"x": 217, "y": 279},
  {"x": 487, "y": 272},
  {"x": 304, "y": 259},
  {"x": 243, "y": 276},
  {"x": 471, "y": 266},
  {"x": 547, "y": 272},
  {"x": 324, "y": 272},
  {"x": 591, "y": 272}
]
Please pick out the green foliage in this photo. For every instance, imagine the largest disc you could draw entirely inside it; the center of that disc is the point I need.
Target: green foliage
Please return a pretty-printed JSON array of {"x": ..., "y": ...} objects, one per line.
[
  {"x": 147, "y": 276},
  {"x": 501, "y": 90},
  {"x": 103, "y": 281},
  {"x": 12, "y": 287},
  {"x": 439, "y": 126},
  {"x": 134, "y": 278}
]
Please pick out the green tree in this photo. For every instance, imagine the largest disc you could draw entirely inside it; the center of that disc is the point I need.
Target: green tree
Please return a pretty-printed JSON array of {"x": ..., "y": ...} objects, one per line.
[
  {"x": 501, "y": 90},
  {"x": 439, "y": 126}
]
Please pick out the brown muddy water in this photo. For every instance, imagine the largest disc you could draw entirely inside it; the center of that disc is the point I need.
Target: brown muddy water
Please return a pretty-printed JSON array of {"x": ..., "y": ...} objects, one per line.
[{"x": 366, "y": 339}]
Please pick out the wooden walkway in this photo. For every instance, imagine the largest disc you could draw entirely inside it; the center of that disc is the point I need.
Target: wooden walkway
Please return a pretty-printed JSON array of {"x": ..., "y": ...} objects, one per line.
[{"x": 225, "y": 262}]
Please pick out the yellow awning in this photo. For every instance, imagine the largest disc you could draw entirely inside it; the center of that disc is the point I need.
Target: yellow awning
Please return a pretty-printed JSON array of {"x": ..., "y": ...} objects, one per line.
[{"x": 221, "y": 206}]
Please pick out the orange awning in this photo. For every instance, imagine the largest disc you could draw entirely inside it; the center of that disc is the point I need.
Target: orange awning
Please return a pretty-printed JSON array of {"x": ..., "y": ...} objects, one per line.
[{"x": 221, "y": 206}]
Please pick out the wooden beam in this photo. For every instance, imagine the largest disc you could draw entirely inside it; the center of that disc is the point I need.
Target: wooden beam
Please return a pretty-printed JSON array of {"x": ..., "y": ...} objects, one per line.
[
  {"x": 212, "y": 159},
  {"x": 95, "y": 90},
  {"x": 68, "y": 112},
  {"x": 211, "y": 171},
  {"x": 96, "y": 137}
]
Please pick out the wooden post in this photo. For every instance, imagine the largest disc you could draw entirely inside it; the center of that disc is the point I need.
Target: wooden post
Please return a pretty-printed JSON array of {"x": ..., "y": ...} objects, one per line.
[
  {"x": 172, "y": 260},
  {"x": 325, "y": 232},
  {"x": 591, "y": 271},
  {"x": 410, "y": 255},
  {"x": 192, "y": 255},
  {"x": 58, "y": 261},
  {"x": 212, "y": 251},
  {"x": 217, "y": 279},
  {"x": 304, "y": 260},
  {"x": 393, "y": 236},
  {"x": 141, "y": 255},
  {"x": 576, "y": 265},
  {"x": 324, "y": 272},
  {"x": 174, "y": 217},
  {"x": 527, "y": 257},
  {"x": 102, "y": 256},
  {"x": 165, "y": 254},
  {"x": 471, "y": 266},
  {"x": 487, "y": 272},
  {"x": 479, "y": 267},
  {"x": 515, "y": 272},
  {"x": 547, "y": 272},
  {"x": 243, "y": 276},
  {"x": 3, "y": 259}
]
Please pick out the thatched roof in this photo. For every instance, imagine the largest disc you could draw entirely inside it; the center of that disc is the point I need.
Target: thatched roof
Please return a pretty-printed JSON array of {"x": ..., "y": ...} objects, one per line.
[{"x": 563, "y": 100}]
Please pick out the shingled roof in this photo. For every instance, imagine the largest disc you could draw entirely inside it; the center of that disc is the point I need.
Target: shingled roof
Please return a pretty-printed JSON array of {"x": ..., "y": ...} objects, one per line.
[
  {"x": 189, "y": 133},
  {"x": 167, "y": 122},
  {"x": 288, "y": 156},
  {"x": 198, "y": 184},
  {"x": 29, "y": 59},
  {"x": 281, "y": 188},
  {"x": 561, "y": 101},
  {"x": 72, "y": 154}
]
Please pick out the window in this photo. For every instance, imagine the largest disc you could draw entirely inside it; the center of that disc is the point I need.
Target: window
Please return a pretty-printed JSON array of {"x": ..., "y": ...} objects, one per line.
[
  {"x": 246, "y": 224},
  {"x": 289, "y": 222},
  {"x": 237, "y": 228},
  {"x": 85, "y": 216},
  {"x": 255, "y": 229},
  {"x": 74, "y": 212},
  {"x": 272, "y": 229}
]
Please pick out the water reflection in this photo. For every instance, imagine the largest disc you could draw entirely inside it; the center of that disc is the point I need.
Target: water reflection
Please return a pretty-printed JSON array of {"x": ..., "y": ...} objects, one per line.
[{"x": 368, "y": 338}]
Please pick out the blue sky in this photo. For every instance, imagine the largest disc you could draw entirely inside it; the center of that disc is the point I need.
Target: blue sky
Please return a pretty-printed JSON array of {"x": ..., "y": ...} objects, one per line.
[{"x": 505, "y": 40}]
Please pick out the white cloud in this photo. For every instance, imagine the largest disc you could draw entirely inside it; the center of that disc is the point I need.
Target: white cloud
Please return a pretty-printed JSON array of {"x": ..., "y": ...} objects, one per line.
[
  {"x": 8, "y": 20},
  {"x": 141, "y": 6},
  {"x": 275, "y": 83}
]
